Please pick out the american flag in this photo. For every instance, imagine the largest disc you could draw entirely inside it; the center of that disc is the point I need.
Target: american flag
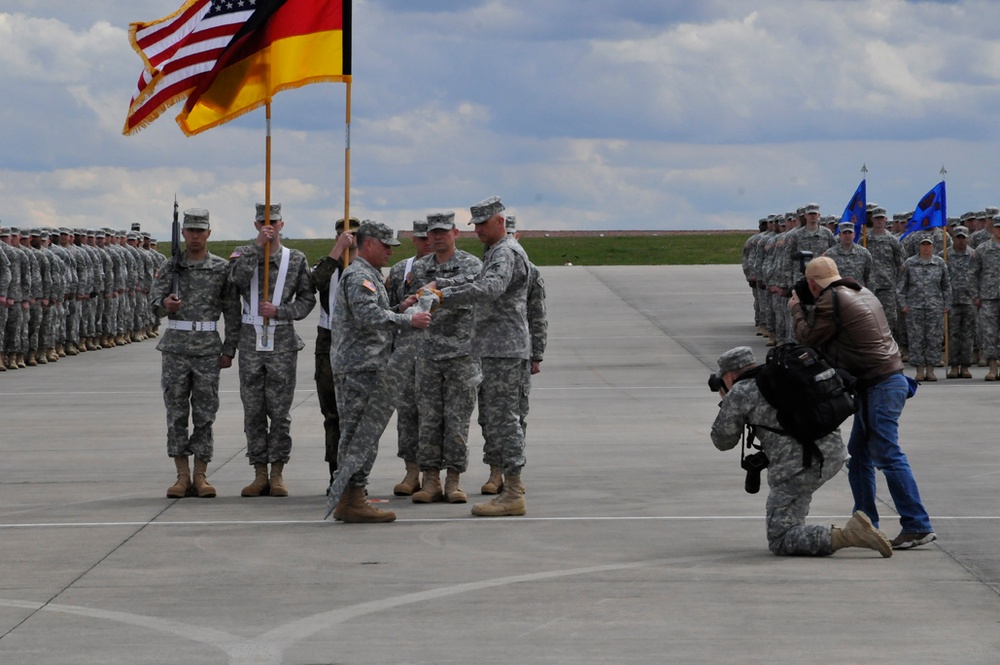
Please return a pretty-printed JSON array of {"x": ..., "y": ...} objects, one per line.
[{"x": 178, "y": 50}]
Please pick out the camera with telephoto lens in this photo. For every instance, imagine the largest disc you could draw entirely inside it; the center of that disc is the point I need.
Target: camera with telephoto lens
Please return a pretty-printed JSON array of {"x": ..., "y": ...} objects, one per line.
[
  {"x": 715, "y": 383},
  {"x": 801, "y": 287},
  {"x": 754, "y": 464}
]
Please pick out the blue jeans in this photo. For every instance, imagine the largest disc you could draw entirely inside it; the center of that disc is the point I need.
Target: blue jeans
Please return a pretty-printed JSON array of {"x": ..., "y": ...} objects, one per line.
[{"x": 875, "y": 444}]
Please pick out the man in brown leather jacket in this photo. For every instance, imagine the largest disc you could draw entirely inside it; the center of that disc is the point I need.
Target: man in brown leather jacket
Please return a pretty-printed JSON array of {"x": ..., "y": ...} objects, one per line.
[{"x": 848, "y": 324}]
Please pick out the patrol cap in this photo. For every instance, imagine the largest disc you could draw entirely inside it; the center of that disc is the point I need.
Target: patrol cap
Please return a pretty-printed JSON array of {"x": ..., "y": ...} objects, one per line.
[
  {"x": 420, "y": 228},
  {"x": 136, "y": 226},
  {"x": 878, "y": 212},
  {"x": 437, "y": 221},
  {"x": 275, "y": 213},
  {"x": 4, "y": 233},
  {"x": 961, "y": 232},
  {"x": 196, "y": 218},
  {"x": 992, "y": 210},
  {"x": 996, "y": 220},
  {"x": 823, "y": 271},
  {"x": 99, "y": 233},
  {"x": 953, "y": 221},
  {"x": 967, "y": 216},
  {"x": 735, "y": 359},
  {"x": 65, "y": 231},
  {"x": 871, "y": 205},
  {"x": 354, "y": 222},
  {"x": 845, "y": 227},
  {"x": 486, "y": 209},
  {"x": 982, "y": 214},
  {"x": 810, "y": 208},
  {"x": 929, "y": 240},
  {"x": 35, "y": 233},
  {"x": 510, "y": 223},
  {"x": 91, "y": 233},
  {"x": 379, "y": 231}
]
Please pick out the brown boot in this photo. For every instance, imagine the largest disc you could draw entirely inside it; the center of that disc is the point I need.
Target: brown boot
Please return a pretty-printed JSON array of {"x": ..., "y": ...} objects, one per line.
[
  {"x": 772, "y": 340},
  {"x": 119, "y": 340},
  {"x": 201, "y": 486},
  {"x": 259, "y": 486},
  {"x": 453, "y": 489},
  {"x": 71, "y": 349},
  {"x": 952, "y": 372},
  {"x": 277, "y": 481},
  {"x": 920, "y": 373},
  {"x": 495, "y": 483},
  {"x": 53, "y": 355},
  {"x": 929, "y": 374},
  {"x": 992, "y": 374},
  {"x": 964, "y": 372},
  {"x": 12, "y": 361},
  {"x": 180, "y": 489},
  {"x": 61, "y": 349},
  {"x": 92, "y": 344},
  {"x": 338, "y": 510},
  {"x": 859, "y": 532},
  {"x": 3, "y": 362},
  {"x": 21, "y": 364},
  {"x": 106, "y": 342},
  {"x": 410, "y": 482},
  {"x": 509, "y": 502},
  {"x": 431, "y": 490},
  {"x": 41, "y": 358},
  {"x": 151, "y": 332},
  {"x": 359, "y": 511}
]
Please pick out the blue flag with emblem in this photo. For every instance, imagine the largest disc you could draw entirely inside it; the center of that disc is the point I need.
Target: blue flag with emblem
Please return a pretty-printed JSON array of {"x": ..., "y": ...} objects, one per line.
[
  {"x": 931, "y": 212},
  {"x": 855, "y": 211}
]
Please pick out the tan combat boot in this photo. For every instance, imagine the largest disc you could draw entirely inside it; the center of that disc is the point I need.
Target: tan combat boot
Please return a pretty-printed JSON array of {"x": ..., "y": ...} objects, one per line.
[
  {"x": 259, "y": 486},
  {"x": 30, "y": 359},
  {"x": 119, "y": 340},
  {"x": 277, "y": 480},
  {"x": 61, "y": 349},
  {"x": 991, "y": 375},
  {"x": 92, "y": 344},
  {"x": 772, "y": 339},
  {"x": 410, "y": 482},
  {"x": 509, "y": 502},
  {"x": 453, "y": 489},
  {"x": 431, "y": 490},
  {"x": 359, "y": 511},
  {"x": 106, "y": 342},
  {"x": 20, "y": 361},
  {"x": 3, "y": 362},
  {"x": 929, "y": 374},
  {"x": 53, "y": 355},
  {"x": 201, "y": 486},
  {"x": 71, "y": 349},
  {"x": 41, "y": 357},
  {"x": 964, "y": 372},
  {"x": 338, "y": 510},
  {"x": 859, "y": 532},
  {"x": 495, "y": 483},
  {"x": 180, "y": 489},
  {"x": 12, "y": 361},
  {"x": 920, "y": 373},
  {"x": 151, "y": 332},
  {"x": 953, "y": 372}
]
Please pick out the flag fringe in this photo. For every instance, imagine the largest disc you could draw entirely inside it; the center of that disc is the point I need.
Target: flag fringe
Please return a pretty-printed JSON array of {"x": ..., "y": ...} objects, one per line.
[
  {"x": 133, "y": 28},
  {"x": 154, "y": 114}
]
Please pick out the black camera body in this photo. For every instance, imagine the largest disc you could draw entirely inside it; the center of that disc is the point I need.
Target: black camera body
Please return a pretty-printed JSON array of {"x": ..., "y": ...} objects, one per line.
[
  {"x": 753, "y": 465},
  {"x": 801, "y": 287},
  {"x": 715, "y": 383}
]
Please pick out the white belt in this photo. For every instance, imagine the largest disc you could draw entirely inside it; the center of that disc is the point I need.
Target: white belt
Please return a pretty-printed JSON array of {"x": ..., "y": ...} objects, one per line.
[
  {"x": 259, "y": 321},
  {"x": 191, "y": 326}
]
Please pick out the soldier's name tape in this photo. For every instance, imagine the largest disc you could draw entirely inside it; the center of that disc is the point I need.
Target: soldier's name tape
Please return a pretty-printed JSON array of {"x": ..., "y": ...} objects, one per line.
[{"x": 191, "y": 326}]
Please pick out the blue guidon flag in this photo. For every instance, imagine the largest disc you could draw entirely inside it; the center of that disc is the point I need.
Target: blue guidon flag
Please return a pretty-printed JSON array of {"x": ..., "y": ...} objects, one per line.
[
  {"x": 855, "y": 211},
  {"x": 932, "y": 211}
]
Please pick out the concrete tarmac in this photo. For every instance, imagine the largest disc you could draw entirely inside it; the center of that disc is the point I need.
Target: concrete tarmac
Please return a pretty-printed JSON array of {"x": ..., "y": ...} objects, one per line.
[{"x": 639, "y": 546}]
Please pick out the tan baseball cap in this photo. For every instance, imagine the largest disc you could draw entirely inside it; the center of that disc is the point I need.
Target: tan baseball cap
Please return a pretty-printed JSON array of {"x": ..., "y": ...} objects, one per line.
[{"x": 823, "y": 271}]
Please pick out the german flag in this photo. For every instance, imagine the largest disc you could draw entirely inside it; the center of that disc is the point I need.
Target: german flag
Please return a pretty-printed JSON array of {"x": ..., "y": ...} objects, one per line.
[{"x": 284, "y": 44}]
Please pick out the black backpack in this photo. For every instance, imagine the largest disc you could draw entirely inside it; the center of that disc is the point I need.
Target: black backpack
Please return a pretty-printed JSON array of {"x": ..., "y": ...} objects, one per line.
[{"x": 812, "y": 398}]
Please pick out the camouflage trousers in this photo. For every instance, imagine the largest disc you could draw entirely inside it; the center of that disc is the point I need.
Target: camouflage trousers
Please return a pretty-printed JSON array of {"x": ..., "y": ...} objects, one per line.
[
  {"x": 777, "y": 305},
  {"x": 887, "y": 298},
  {"x": 787, "y": 508},
  {"x": 407, "y": 419},
  {"x": 124, "y": 314},
  {"x": 109, "y": 317},
  {"x": 46, "y": 336},
  {"x": 961, "y": 334},
  {"x": 326, "y": 392},
  {"x": 88, "y": 324},
  {"x": 446, "y": 396},
  {"x": 766, "y": 313},
  {"x": 190, "y": 386},
  {"x": 267, "y": 386},
  {"x": 503, "y": 406},
  {"x": 989, "y": 329},
  {"x": 757, "y": 315},
  {"x": 925, "y": 330},
  {"x": 73, "y": 308},
  {"x": 13, "y": 334}
]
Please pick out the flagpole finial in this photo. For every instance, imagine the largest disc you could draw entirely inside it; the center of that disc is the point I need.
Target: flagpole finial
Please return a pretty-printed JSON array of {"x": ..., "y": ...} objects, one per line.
[
  {"x": 943, "y": 171},
  {"x": 864, "y": 168}
]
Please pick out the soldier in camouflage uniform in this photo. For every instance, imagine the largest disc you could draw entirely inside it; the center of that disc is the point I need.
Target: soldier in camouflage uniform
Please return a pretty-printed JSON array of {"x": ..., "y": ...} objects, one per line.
[
  {"x": 326, "y": 275},
  {"x": 193, "y": 352},
  {"x": 962, "y": 317},
  {"x": 366, "y": 371},
  {"x": 269, "y": 353},
  {"x": 6, "y": 301},
  {"x": 447, "y": 374},
  {"x": 32, "y": 321},
  {"x": 502, "y": 341},
  {"x": 402, "y": 288},
  {"x": 986, "y": 281},
  {"x": 766, "y": 311},
  {"x": 810, "y": 237},
  {"x": 16, "y": 296},
  {"x": 887, "y": 260},
  {"x": 749, "y": 250},
  {"x": 791, "y": 484},
  {"x": 770, "y": 270},
  {"x": 924, "y": 294},
  {"x": 852, "y": 259}
]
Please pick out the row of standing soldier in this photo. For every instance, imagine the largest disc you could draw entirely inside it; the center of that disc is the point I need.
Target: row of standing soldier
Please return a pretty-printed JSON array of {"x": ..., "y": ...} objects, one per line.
[
  {"x": 364, "y": 357},
  {"x": 919, "y": 279},
  {"x": 68, "y": 291}
]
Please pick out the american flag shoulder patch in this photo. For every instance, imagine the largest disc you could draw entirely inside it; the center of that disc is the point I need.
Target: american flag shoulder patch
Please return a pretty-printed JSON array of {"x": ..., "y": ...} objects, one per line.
[
  {"x": 368, "y": 285},
  {"x": 236, "y": 254}
]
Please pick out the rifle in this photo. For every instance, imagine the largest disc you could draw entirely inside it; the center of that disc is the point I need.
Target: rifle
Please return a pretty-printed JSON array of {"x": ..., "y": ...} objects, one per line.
[{"x": 175, "y": 252}]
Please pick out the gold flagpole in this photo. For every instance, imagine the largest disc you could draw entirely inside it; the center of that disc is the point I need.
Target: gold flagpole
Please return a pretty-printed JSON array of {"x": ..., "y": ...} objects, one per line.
[
  {"x": 944, "y": 254},
  {"x": 267, "y": 211},
  {"x": 347, "y": 170}
]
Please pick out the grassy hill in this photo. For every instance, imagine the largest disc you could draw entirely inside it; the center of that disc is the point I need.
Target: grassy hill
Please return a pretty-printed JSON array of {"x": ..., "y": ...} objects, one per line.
[{"x": 674, "y": 248}]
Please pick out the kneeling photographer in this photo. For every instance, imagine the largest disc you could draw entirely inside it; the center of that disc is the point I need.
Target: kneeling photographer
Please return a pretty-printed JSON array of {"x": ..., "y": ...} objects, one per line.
[{"x": 791, "y": 482}]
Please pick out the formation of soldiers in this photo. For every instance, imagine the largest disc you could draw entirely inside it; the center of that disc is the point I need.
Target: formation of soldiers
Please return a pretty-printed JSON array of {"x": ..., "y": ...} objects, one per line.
[
  {"x": 68, "y": 291},
  {"x": 926, "y": 281}
]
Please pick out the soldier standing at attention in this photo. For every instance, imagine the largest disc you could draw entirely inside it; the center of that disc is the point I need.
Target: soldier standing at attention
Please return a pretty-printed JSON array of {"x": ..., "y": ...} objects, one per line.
[
  {"x": 326, "y": 275},
  {"x": 192, "y": 351},
  {"x": 502, "y": 342},
  {"x": 400, "y": 285},
  {"x": 924, "y": 294},
  {"x": 962, "y": 317},
  {"x": 986, "y": 280},
  {"x": 269, "y": 353},
  {"x": 852, "y": 259}
]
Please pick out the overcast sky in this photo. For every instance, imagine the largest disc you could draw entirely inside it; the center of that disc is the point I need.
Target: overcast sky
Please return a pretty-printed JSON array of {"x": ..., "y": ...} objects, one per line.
[{"x": 580, "y": 114}]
